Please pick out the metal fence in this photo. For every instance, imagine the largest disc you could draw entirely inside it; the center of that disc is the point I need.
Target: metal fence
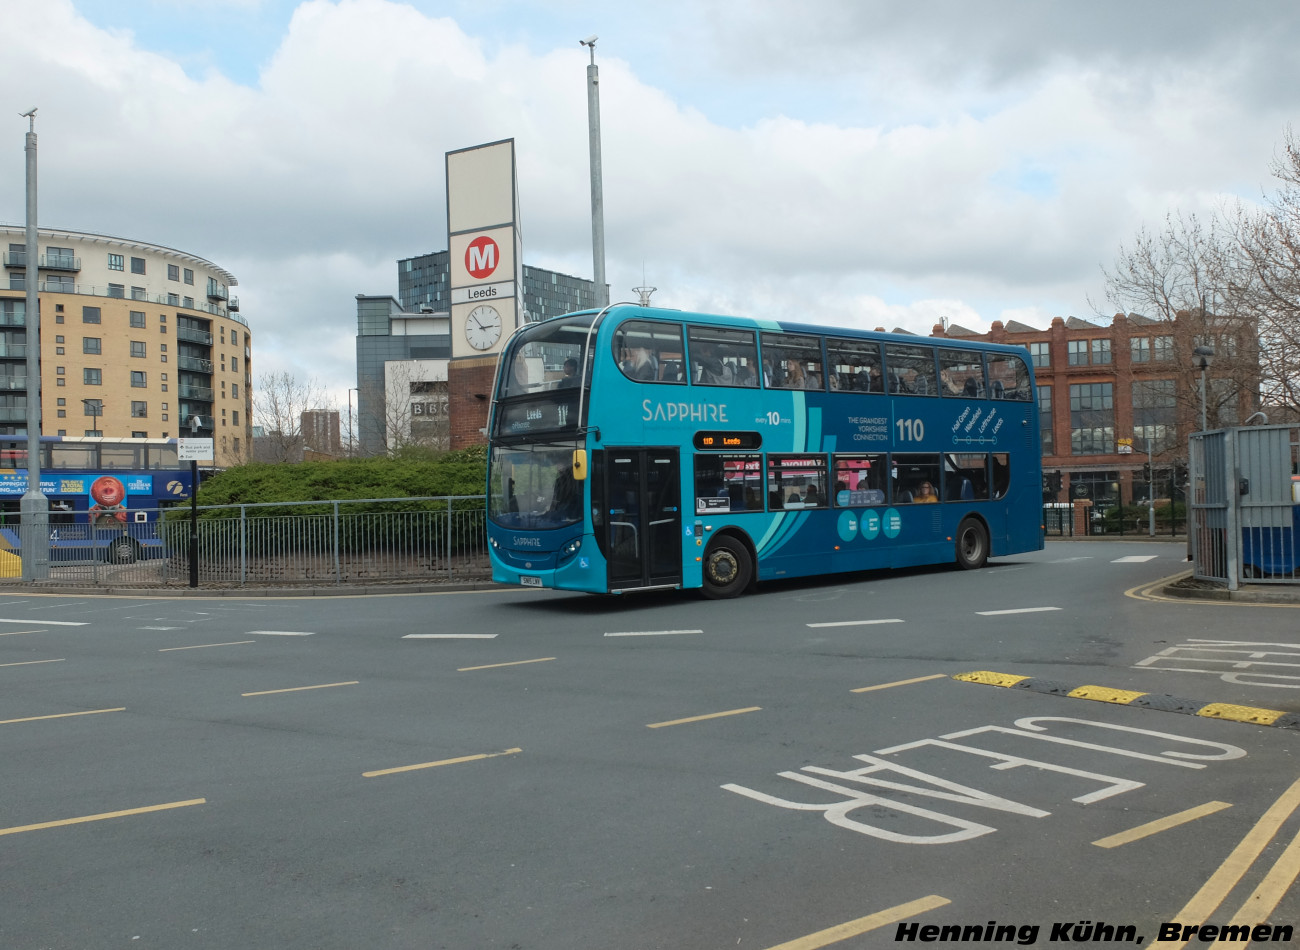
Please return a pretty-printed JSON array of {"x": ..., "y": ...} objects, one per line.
[
  {"x": 355, "y": 541},
  {"x": 1246, "y": 504}
]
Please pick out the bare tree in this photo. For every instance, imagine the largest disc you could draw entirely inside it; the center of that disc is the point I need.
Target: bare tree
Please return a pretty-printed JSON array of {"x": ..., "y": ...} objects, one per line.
[
  {"x": 1238, "y": 277},
  {"x": 279, "y": 401},
  {"x": 1266, "y": 277},
  {"x": 1185, "y": 277}
]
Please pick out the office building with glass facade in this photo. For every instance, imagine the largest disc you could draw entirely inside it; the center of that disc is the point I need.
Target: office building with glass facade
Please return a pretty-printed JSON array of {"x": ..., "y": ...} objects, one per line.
[{"x": 404, "y": 345}]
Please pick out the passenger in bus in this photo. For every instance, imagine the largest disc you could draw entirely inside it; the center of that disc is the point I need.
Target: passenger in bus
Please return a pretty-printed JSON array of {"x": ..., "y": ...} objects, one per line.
[
  {"x": 812, "y": 497},
  {"x": 570, "y": 378},
  {"x": 745, "y": 376},
  {"x": 795, "y": 378},
  {"x": 713, "y": 371},
  {"x": 640, "y": 364},
  {"x": 924, "y": 494}
]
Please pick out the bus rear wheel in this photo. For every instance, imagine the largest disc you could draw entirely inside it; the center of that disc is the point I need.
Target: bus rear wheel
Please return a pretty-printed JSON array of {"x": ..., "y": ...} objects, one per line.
[
  {"x": 123, "y": 551},
  {"x": 972, "y": 544},
  {"x": 728, "y": 569}
]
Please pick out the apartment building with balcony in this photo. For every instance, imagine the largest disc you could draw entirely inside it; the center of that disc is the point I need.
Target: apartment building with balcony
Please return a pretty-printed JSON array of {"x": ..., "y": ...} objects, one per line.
[
  {"x": 1109, "y": 393},
  {"x": 136, "y": 338}
]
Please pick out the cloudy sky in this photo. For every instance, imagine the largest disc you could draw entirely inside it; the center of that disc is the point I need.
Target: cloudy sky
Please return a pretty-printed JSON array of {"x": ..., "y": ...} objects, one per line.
[{"x": 849, "y": 162}]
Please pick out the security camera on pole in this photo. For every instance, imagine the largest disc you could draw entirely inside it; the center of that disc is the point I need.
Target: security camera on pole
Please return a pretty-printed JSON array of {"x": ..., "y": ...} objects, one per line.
[{"x": 192, "y": 450}]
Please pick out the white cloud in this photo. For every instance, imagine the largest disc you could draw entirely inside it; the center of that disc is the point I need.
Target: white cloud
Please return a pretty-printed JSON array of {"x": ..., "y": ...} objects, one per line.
[{"x": 961, "y": 165}]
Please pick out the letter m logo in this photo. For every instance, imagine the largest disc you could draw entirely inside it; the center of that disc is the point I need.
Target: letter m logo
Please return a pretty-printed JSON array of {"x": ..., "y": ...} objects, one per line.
[{"x": 481, "y": 257}]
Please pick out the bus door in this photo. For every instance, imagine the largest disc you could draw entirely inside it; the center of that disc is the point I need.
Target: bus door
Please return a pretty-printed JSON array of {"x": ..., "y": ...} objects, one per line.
[{"x": 644, "y": 520}]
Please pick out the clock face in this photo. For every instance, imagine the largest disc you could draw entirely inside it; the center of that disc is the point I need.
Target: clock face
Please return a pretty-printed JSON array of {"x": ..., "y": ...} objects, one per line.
[{"x": 483, "y": 327}]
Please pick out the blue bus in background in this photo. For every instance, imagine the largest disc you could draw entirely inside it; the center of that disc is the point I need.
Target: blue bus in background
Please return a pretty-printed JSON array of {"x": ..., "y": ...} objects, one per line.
[
  {"x": 636, "y": 448},
  {"x": 105, "y": 495}
]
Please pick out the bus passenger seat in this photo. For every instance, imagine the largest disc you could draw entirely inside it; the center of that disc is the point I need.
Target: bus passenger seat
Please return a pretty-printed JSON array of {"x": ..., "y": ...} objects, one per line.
[
  {"x": 997, "y": 389},
  {"x": 904, "y": 497},
  {"x": 967, "y": 490}
]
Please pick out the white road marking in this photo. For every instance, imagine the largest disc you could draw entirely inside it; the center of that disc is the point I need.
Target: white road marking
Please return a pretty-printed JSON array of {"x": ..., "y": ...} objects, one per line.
[
  {"x": 653, "y": 633},
  {"x": 1067, "y": 560},
  {"x": 160, "y": 628},
  {"x": 852, "y": 623},
  {"x": 450, "y": 636},
  {"x": 52, "y": 623},
  {"x": 1134, "y": 559},
  {"x": 1018, "y": 610},
  {"x": 280, "y": 633}
]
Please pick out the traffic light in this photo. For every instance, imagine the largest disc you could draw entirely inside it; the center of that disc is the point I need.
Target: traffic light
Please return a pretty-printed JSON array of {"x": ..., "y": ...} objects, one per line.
[
  {"x": 1146, "y": 471},
  {"x": 1056, "y": 482}
]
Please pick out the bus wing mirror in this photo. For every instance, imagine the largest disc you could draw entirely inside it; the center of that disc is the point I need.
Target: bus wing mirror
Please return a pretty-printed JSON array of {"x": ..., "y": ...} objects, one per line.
[{"x": 580, "y": 465}]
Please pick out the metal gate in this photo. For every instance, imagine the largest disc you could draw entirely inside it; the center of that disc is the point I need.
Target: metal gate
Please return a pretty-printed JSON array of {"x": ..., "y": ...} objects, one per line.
[{"x": 1245, "y": 508}]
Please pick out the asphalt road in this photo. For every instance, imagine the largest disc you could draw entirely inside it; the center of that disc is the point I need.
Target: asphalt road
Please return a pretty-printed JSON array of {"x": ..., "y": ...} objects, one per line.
[{"x": 795, "y": 769}]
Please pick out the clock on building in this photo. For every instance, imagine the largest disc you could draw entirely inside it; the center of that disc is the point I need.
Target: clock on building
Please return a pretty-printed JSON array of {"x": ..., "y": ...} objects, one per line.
[{"x": 483, "y": 327}]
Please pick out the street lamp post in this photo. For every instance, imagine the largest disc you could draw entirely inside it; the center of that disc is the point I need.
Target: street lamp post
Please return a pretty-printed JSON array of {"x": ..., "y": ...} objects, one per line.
[
  {"x": 34, "y": 508},
  {"x": 597, "y": 185},
  {"x": 1205, "y": 356}
]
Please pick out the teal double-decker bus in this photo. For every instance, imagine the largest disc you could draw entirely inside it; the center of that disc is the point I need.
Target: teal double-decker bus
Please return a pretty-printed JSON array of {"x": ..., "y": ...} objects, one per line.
[{"x": 636, "y": 448}]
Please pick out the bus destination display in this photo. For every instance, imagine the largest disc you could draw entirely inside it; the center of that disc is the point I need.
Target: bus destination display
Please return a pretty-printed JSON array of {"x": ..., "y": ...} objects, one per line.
[{"x": 718, "y": 441}]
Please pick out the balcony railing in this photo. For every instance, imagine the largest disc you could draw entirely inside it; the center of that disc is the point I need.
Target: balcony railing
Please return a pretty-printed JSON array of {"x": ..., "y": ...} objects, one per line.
[
  {"x": 217, "y": 292},
  {"x": 13, "y": 350},
  {"x": 194, "y": 336},
  {"x": 195, "y": 364},
  {"x": 17, "y": 282},
  {"x": 13, "y": 413},
  {"x": 15, "y": 258},
  {"x": 13, "y": 382},
  {"x": 201, "y": 393},
  {"x": 59, "y": 262}
]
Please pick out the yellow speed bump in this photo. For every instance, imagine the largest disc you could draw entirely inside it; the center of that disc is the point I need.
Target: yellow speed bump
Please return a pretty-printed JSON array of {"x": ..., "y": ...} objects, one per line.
[
  {"x": 1105, "y": 694},
  {"x": 989, "y": 678},
  {"x": 1263, "y": 717}
]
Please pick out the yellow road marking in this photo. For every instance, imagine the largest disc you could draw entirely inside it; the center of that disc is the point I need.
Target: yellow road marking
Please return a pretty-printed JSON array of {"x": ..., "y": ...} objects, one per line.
[
  {"x": 1105, "y": 694},
  {"x": 434, "y": 765},
  {"x": 1263, "y": 717},
  {"x": 1161, "y": 824},
  {"x": 1212, "y": 893},
  {"x": 204, "y": 646},
  {"x": 1263, "y": 901},
  {"x": 1147, "y": 592},
  {"x": 717, "y": 715},
  {"x": 32, "y": 662},
  {"x": 88, "y": 712},
  {"x": 102, "y": 817},
  {"x": 918, "y": 679},
  {"x": 19, "y": 633},
  {"x": 863, "y": 925},
  {"x": 493, "y": 666},
  {"x": 989, "y": 678},
  {"x": 299, "y": 689}
]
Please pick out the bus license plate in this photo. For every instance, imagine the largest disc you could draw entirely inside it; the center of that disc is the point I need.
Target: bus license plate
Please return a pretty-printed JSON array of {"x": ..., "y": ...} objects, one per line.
[{"x": 531, "y": 581}]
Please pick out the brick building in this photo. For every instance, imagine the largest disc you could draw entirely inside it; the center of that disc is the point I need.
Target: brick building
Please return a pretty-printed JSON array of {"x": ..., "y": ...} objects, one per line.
[{"x": 1137, "y": 380}]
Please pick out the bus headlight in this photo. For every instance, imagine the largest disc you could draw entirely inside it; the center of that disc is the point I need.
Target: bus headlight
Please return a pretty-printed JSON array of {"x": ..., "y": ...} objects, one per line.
[{"x": 571, "y": 548}]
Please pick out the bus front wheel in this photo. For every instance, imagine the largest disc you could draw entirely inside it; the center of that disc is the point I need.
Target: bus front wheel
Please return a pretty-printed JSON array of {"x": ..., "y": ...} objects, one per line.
[
  {"x": 972, "y": 544},
  {"x": 728, "y": 569}
]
